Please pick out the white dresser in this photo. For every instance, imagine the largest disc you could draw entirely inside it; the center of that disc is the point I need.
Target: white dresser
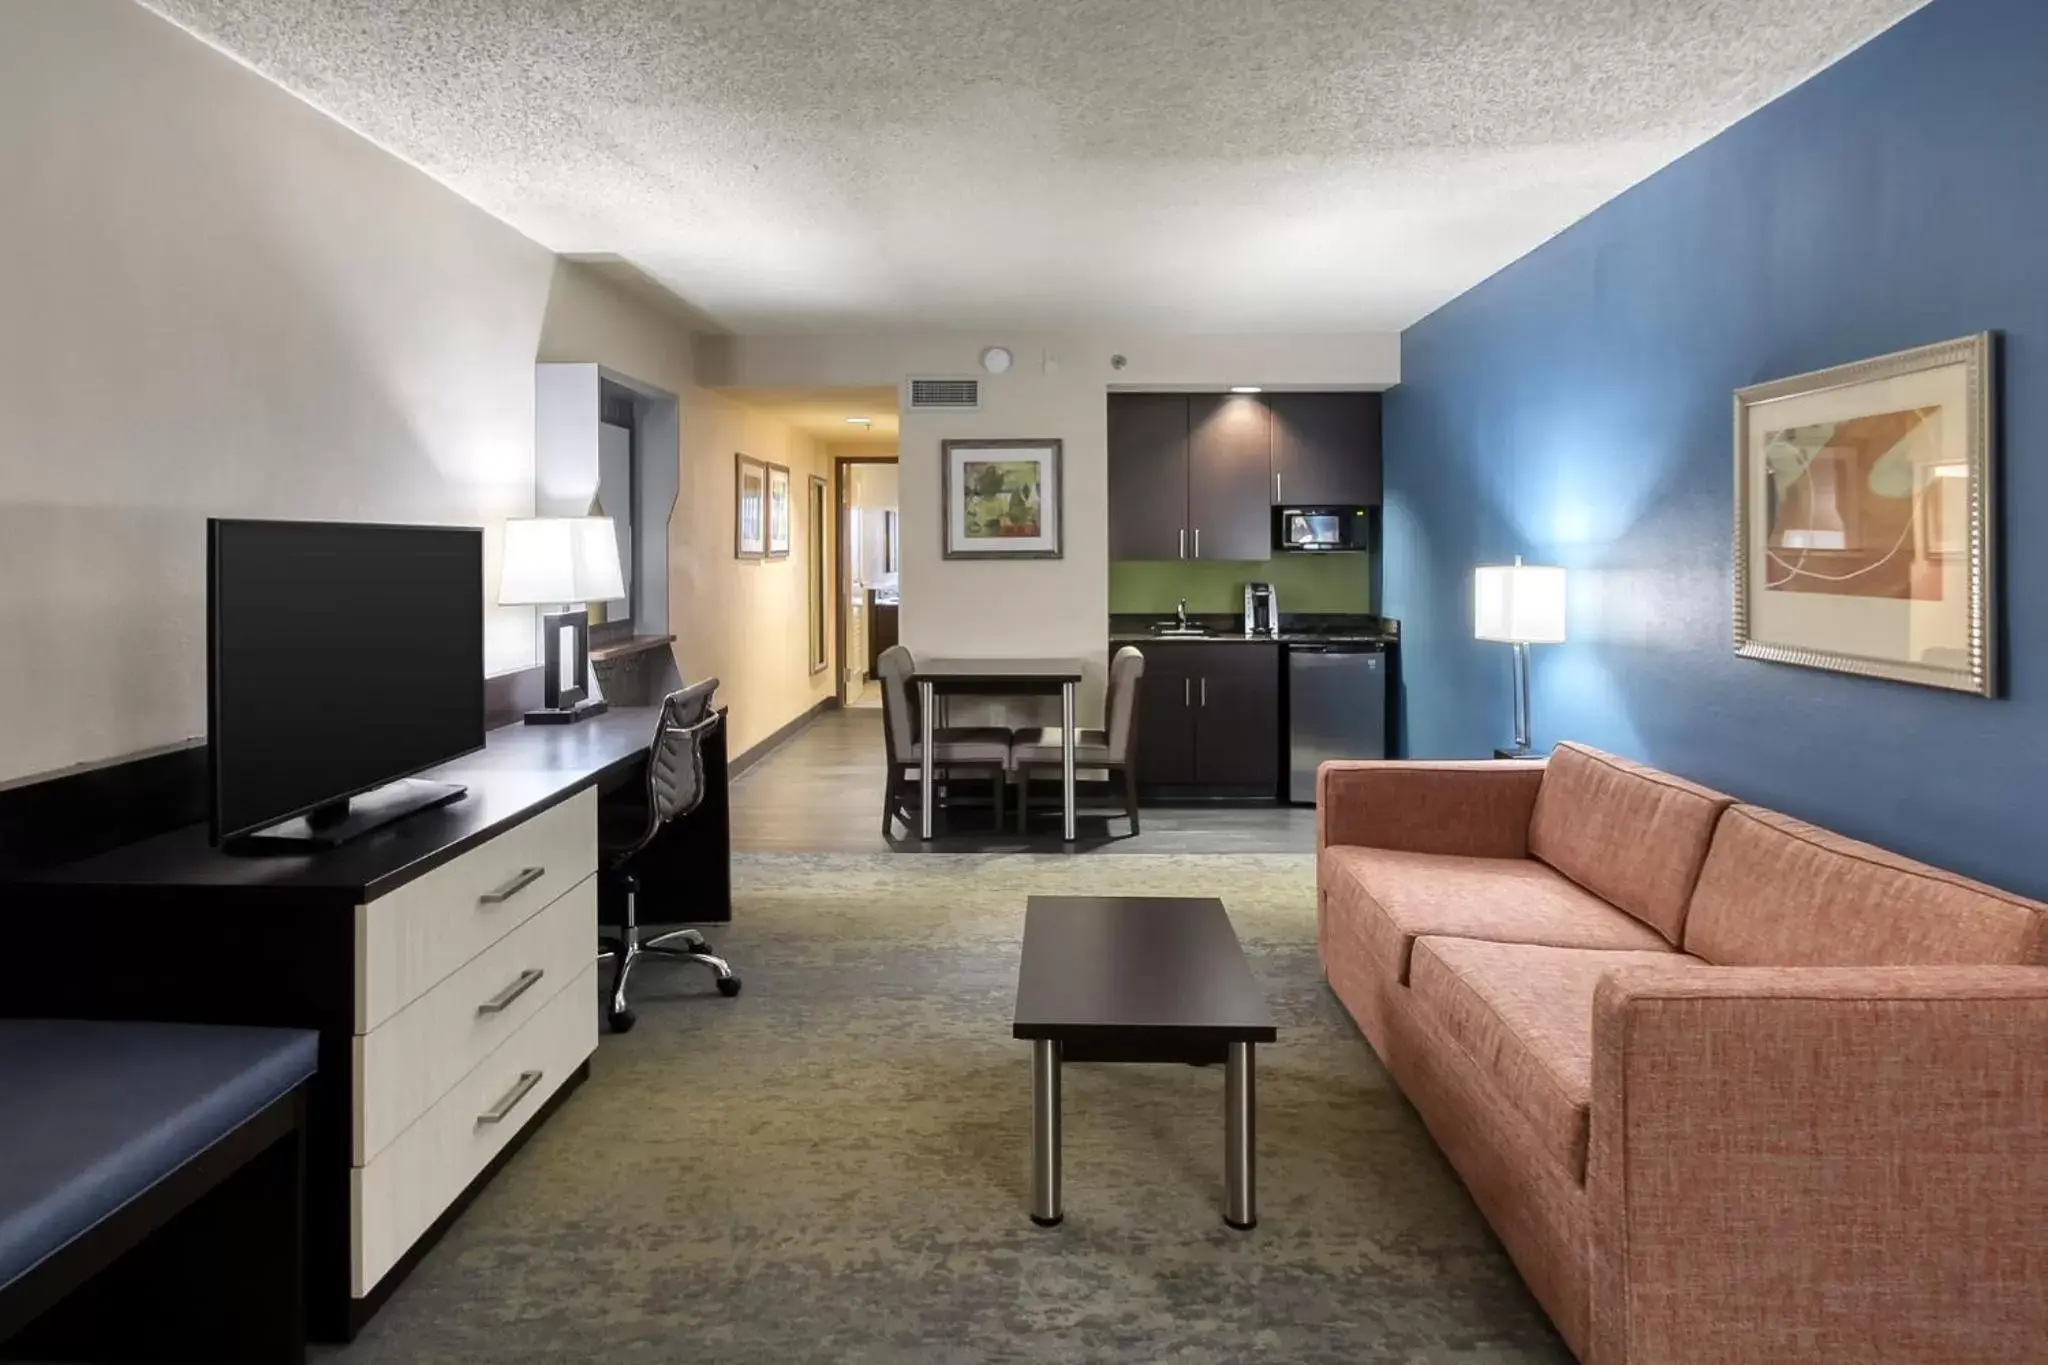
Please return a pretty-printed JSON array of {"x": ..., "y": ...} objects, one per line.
[{"x": 475, "y": 1000}]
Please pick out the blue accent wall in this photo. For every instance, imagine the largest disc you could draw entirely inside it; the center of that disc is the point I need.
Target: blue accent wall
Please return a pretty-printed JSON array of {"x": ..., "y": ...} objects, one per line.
[{"x": 1576, "y": 409}]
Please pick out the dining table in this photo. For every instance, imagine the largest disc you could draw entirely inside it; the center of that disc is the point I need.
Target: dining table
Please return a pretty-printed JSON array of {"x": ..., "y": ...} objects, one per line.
[{"x": 935, "y": 678}]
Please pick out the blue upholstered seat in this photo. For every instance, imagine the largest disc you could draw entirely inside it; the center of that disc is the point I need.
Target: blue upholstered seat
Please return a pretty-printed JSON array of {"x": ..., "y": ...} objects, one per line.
[{"x": 92, "y": 1114}]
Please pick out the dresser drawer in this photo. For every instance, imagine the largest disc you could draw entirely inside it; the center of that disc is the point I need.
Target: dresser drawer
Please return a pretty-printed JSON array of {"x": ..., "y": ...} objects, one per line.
[
  {"x": 409, "y": 1184},
  {"x": 410, "y": 1060},
  {"x": 411, "y": 940}
]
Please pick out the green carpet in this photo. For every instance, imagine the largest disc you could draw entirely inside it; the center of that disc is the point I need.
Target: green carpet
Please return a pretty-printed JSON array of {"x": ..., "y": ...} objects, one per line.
[{"x": 832, "y": 1167}]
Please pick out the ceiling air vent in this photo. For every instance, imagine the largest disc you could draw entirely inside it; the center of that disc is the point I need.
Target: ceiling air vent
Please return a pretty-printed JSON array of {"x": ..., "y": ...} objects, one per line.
[{"x": 945, "y": 395}]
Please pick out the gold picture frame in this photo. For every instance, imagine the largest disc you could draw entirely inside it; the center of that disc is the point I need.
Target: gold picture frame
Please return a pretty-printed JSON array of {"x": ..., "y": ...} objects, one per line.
[{"x": 1866, "y": 517}]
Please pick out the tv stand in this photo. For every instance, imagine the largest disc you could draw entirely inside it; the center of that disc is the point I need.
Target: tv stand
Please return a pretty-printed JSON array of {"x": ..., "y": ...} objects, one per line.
[{"x": 338, "y": 822}]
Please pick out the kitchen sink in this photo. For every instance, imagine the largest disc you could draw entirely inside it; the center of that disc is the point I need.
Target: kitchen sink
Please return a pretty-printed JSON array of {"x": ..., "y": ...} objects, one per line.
[{"x": 1181, "y": 633}]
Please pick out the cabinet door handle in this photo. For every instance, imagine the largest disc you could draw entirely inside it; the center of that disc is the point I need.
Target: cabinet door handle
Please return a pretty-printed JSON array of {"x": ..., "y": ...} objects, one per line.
[
  {"x": 1198, "y": 542},
  {"x": 1183, "y": 542},
  {"x": 1205, "y": 691},
  {"x": 1276, "y": 485},
  {"x": 502, "y": 1110},
  {"x": 521, "y": 984},
  {"x": 527, "y": 877}
]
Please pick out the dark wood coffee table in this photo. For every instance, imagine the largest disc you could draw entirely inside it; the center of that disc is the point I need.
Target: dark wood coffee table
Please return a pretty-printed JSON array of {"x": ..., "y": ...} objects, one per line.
[{"x": 1138, "y": 979}]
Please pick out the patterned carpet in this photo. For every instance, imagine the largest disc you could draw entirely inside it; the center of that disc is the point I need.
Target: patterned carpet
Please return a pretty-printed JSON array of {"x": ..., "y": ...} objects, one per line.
[{"x": 832, "y": 1167}]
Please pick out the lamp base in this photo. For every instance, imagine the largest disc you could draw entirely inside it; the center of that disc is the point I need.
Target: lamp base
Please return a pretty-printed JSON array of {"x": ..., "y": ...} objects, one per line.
[
  {"x": 567, "y": 715},
  {"x": 1521, "y": 753}
]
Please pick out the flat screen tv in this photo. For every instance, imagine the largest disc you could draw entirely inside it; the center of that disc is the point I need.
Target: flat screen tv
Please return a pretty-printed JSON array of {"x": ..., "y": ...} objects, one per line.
[{"x": 340, "y": 659}]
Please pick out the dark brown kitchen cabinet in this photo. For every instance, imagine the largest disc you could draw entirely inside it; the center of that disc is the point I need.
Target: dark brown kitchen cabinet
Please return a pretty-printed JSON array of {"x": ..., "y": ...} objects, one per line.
[
  {"x": 1188, "y": 477},
  {"x": 1209, "y": 720},
  {"x": 1148, "y": 475},
  {"x": 1230, "y": 465},
  {"x": 1326, "y": 448}
]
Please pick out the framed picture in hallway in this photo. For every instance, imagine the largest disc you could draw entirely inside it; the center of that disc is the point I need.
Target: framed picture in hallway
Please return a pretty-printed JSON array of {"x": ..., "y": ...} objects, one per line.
[
  {"x": 779, "y": 511},
  {"x": 750, "y": 508},
  {"x": 1002, "y": 499},
  {"x": 1866, "y": 512}
]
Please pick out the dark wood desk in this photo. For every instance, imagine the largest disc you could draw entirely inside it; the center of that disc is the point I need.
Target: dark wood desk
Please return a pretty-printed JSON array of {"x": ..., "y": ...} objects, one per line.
[
  {"x": 1138, "y": 979},
  {"x": 997, "y": 678},
  {"x": 170, "y": 928}
]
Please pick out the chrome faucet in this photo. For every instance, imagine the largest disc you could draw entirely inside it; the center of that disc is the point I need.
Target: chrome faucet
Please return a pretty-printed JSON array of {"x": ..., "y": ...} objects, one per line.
[{"x": 1180, "y": 615}]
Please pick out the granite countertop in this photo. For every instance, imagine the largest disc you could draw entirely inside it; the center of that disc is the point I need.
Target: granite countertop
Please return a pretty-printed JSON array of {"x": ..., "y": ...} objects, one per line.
[{"x": 1301, "y": 629}]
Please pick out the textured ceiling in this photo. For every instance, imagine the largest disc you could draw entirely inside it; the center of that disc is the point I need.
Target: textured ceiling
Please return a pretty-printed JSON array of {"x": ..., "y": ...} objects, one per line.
[{"x": 1208, "y": 165}]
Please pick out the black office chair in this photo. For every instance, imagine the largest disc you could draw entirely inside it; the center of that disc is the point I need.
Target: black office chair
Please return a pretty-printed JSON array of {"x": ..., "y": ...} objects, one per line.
[{"x": 675, "y": 787}]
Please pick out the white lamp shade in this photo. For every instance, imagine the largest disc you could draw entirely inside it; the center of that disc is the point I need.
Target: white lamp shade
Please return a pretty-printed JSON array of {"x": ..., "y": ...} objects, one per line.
[
  {"x": 1518, "y": 604},
  {"x": 552, "y": 561}
]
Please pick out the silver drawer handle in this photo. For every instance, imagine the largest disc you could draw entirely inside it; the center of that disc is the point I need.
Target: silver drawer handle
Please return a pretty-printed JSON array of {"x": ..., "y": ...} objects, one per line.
[
  {"x": 498, "y": 1112},
  {"x": 527, "y": 877},
  {"x": 521, "y": 984}
]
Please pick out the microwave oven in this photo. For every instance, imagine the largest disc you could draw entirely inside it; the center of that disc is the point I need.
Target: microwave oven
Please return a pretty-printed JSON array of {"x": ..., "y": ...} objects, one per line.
[{"x": 1322, "y": 528}]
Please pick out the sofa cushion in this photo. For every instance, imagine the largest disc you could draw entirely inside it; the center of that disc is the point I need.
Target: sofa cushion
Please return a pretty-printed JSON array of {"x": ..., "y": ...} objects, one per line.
[
  {"x": 1523, "y": 1014},
  {"x": 1630, "y": 834},
  {"x": 1398, "y": 897},
  {"x": 1778, "y": 892}
]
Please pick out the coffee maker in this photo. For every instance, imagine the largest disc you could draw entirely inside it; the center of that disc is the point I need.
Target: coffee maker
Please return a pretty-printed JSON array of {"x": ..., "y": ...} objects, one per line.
[{"x": 1261, "y": 609}]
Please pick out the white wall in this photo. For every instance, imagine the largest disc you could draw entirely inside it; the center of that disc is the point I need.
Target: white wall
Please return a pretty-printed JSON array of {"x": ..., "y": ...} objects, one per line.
[
  {"x": 872, "y": 490},
  {"x": 1058, "y": 388},
  {"x": 216, "y": 301}
]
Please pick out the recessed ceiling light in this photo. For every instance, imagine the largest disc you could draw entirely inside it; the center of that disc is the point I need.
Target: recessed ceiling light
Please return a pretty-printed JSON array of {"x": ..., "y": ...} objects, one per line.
[
  {"x": 860, "y": 421},
  {"x": 1246, "y": 388}
]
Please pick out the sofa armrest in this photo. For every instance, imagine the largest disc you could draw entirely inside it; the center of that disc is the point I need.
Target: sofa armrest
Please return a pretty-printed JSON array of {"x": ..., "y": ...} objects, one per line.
[
  {"x": 1819, "y": 1164},
  {"x": 1480, "y": 809}
]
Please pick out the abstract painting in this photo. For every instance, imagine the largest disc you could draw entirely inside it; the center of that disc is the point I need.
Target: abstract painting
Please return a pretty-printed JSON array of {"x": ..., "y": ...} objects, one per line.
[
  {"x": 1002, "y": 499},
  {"x": 1865, "y": 502},
  {"x": 750, "y": 508},
  {"x": 778, "y": 511}
]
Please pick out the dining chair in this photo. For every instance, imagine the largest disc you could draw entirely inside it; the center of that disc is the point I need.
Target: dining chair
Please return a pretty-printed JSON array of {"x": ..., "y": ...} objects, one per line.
[
  {"x": 970, "y": 748},
  {"x": 1114, "y": 747}
]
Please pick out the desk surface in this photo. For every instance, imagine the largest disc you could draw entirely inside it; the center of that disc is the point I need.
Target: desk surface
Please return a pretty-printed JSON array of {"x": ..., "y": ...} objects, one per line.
[{"x": 520, "y": 771}]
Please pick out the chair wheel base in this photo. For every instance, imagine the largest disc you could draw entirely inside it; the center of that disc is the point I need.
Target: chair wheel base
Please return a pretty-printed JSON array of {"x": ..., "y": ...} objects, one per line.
[
  {"x": 621, "y": 1021},
  {"x": 728, "y": 986}
]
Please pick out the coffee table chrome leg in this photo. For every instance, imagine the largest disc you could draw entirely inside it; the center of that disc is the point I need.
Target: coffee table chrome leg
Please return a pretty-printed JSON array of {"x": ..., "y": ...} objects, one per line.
[
  {"x": 1045, "y": 1132},
  {"x": 1240, "y": 1138}
]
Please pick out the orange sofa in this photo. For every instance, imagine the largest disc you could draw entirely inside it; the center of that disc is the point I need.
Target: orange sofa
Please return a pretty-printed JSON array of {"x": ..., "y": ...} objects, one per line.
[{"x": 1730, "y": 1088}]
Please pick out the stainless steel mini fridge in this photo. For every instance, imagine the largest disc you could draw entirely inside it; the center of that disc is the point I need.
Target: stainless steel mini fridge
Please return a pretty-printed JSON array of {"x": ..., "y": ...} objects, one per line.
[{"x": 1337, "y": 708}]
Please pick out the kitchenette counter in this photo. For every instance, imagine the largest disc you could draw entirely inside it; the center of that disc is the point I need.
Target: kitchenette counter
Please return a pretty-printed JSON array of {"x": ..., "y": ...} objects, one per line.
[{"x": 1302, "y": 630}]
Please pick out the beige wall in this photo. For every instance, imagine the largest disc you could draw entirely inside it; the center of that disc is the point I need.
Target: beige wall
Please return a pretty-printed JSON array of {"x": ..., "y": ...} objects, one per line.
[
  {"x": 220, "y": 302},
  {"x": 1058, "y": 388}
]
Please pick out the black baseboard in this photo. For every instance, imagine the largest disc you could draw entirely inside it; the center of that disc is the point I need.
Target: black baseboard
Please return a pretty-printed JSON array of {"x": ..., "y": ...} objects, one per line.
[{"x": 782, "y": 736}]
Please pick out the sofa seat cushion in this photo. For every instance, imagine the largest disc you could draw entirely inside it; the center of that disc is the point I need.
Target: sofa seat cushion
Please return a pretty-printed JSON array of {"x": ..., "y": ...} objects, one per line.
[
  {"x": 1632, "y": 835},
  {"x": 1778, "y": 892},
  {"x": 95, "y": 1113},
  {"x": 1523, "y": 1014},
  {"x": 1399, "y": 897}
]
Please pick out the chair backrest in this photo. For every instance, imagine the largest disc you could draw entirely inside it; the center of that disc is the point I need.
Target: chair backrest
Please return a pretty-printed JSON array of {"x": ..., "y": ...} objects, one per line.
[
  {"x": 899, "y": 713},
  {"x": 675, "y": 761},
  {"x": 1122, "y": 707}
]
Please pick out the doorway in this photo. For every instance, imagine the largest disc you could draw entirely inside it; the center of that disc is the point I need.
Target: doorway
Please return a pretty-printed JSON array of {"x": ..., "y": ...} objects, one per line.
[{"x": 870, "y": 556}]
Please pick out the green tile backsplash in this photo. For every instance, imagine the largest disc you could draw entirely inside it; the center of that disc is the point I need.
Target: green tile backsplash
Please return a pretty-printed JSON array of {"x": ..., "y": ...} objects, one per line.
[{"x": 1322, "y": 583}]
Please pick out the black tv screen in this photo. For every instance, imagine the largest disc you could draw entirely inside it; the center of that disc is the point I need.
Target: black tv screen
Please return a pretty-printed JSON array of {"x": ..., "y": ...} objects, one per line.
[{"x": 339, "y": 658}]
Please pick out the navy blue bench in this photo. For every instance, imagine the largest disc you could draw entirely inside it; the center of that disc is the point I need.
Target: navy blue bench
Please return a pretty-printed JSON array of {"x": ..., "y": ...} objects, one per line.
[{"x": 151, "y": 1189}]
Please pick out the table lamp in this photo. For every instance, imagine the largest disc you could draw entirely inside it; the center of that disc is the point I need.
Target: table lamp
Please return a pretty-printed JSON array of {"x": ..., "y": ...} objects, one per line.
[
  {"x": 1521, "y": 605},
  {"x": 562, "y": 562}
]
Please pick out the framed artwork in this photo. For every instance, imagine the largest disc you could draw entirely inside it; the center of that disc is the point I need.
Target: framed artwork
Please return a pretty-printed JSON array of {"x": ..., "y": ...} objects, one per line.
[
  {"x": 1866, "y": 513},
  {"x": 779, "y": 511},
  {"x": 820, "y": 509},
  {"x": 750, "y": 508},
  {"x": 1002, "y": 499}
]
